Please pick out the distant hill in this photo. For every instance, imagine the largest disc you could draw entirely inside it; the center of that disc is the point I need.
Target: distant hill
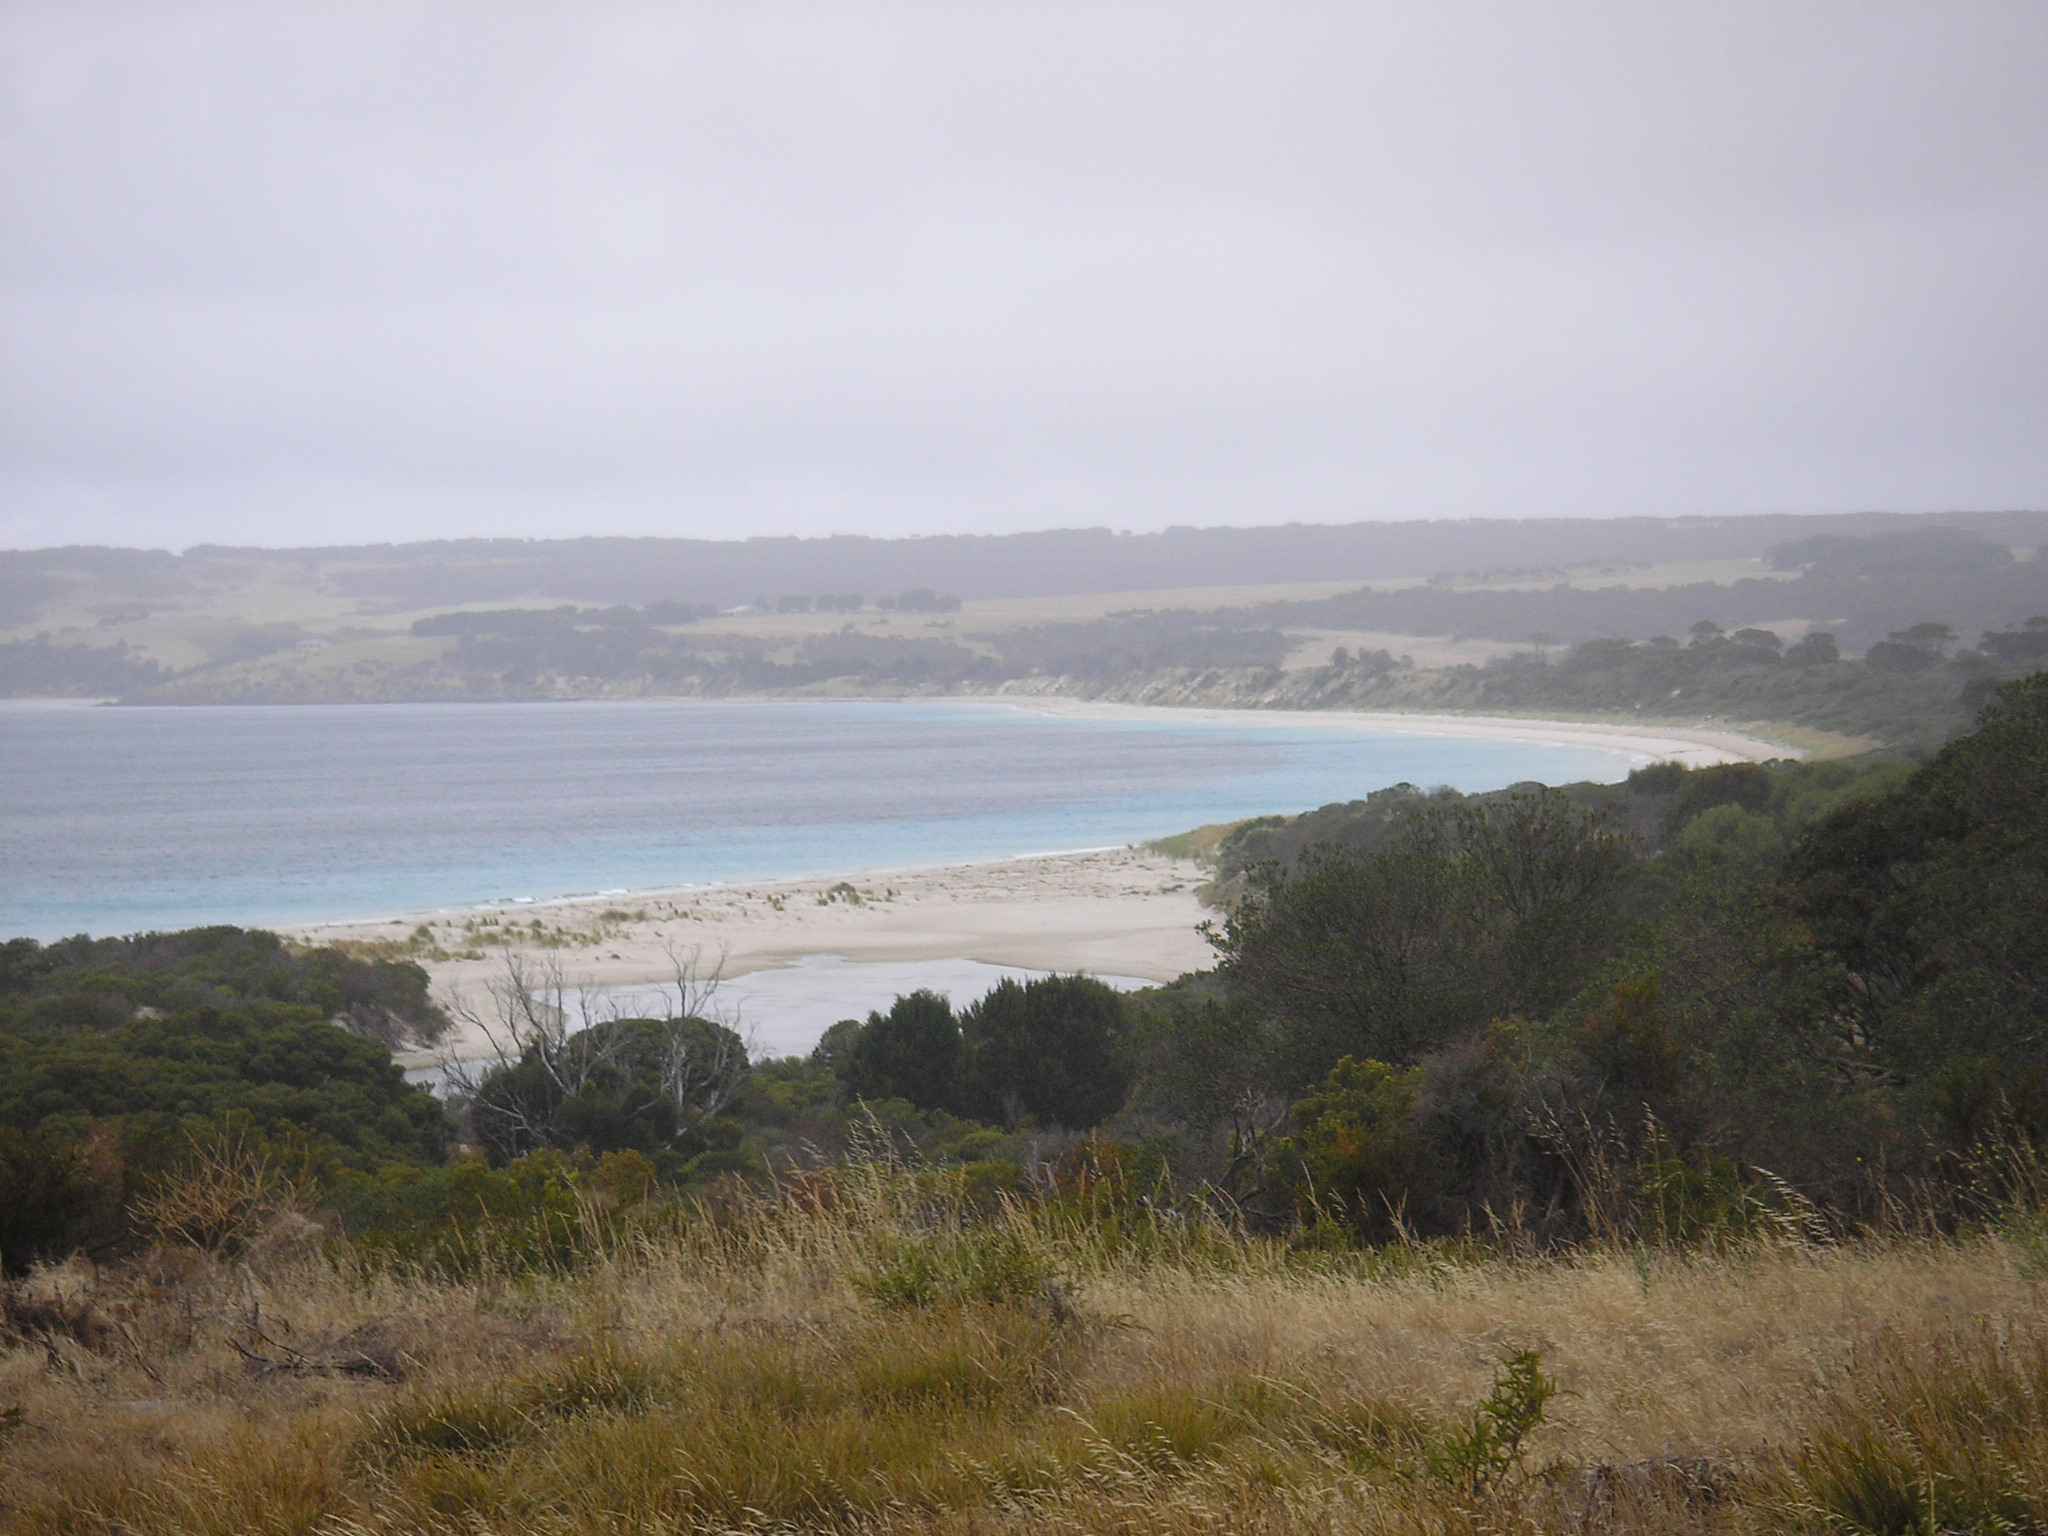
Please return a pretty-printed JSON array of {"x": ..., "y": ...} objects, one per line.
[
  {"x": 1054, "y": 563},
  {"x": 1892, "y": 634}
]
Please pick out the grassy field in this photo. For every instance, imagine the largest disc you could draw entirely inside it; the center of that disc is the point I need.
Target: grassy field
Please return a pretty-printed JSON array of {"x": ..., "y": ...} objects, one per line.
[{"x": 857, "y": 1351}]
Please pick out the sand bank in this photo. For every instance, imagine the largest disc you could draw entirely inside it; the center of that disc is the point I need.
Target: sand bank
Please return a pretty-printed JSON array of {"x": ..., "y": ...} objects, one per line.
[
  {"x": 1699, "y": 746},
  {"x": 1122, "y": 912}
]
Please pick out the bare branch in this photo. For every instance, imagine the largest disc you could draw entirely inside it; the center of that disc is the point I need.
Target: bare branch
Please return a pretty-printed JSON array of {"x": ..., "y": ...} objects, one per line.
[{"x": 563, "y": 1038}]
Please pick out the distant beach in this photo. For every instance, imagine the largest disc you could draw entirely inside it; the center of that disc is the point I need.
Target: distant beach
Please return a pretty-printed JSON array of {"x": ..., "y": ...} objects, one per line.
[
  {"x": 1695, "y": 746},
  {"x": 1127, "y": 912},
  {"x": 882, "y": 844}
]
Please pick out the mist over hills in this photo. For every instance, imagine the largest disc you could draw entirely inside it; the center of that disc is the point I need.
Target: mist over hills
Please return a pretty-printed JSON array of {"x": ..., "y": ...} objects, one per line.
[{"x": 1052, "y": 563}]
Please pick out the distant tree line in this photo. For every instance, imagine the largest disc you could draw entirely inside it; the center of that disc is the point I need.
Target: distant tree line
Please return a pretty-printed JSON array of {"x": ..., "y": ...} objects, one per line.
[
  {"x": 45, "y": 669},
  {"x": 722, "y": 573},
  {"x": 1857, "y": 588},
  {"x": 1607, "y": 649},
  {"x": 520, "y": 651},
  {"x": 1911, "y": 692}
]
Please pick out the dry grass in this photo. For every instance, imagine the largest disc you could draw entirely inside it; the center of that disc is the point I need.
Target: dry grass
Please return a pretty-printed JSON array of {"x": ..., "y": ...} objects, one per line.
[{"x": 851, "y": 1355}]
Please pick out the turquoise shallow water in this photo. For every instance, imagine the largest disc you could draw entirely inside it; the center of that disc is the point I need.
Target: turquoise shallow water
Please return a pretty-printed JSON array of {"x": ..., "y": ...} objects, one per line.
[{"x": 118, "y": 820}]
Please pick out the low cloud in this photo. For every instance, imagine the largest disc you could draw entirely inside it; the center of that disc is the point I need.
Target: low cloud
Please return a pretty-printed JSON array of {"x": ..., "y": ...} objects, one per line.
[{"x": 318, "y": 274}]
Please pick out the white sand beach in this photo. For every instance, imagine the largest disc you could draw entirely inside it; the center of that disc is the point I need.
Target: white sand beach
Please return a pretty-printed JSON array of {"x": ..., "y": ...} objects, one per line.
[
  {"x": 1123, "y": 912},
  {"x": 1699, "y": 746}
]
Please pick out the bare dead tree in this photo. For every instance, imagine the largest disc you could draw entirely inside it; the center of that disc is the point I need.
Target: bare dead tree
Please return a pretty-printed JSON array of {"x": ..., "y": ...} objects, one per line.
[
  {"x": 565, "y": 1037},
  {"x": 527, "y": 1017},
  {"x": 702, "y": 1069},
  {"x": 1255, "y": 1117},
  {"x": 528, "y": 1013},
  {"x": 696, "y": 985}
]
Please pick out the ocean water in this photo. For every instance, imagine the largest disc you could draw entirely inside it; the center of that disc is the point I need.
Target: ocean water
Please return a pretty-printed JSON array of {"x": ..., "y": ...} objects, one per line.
[{"x": 118, "y": 820}]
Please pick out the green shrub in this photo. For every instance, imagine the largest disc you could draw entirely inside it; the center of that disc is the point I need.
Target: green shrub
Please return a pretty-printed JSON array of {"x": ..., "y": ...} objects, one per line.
[
  {"x": 912, "y": 1052},
  {"x": 171, "y": 1028},
  {"x": 1355, "y": 1153},
  {"x": 58, "y": 1193},
  {"x": 982, "y": 1264},
  {"x": 545, "y": 1212},
  {"x": 1054, "y": 1050}
]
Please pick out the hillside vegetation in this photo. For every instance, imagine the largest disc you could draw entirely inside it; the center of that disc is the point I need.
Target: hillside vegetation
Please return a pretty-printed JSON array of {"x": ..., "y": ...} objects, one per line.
[
  {"x": 270, "y": 583},
  {"x": 1771, "y": 649}
]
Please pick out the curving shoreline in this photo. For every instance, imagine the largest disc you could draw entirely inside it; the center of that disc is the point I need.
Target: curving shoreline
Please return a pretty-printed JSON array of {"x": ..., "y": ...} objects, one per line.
[
  {"x": 1695, "y": 746},
  {"x": 1119, "y": 911}
]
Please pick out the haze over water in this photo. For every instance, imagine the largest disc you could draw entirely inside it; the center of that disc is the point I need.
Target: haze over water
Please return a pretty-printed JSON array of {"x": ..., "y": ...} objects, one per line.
[{"x": 121, "y": 820}]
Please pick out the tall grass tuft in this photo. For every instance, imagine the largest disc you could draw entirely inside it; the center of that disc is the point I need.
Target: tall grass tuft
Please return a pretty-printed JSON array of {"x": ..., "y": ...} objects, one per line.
[{"x": 1943, "y": 1432}]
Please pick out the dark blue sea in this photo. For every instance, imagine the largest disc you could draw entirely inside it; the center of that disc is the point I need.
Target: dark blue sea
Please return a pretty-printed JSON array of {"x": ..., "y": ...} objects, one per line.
[{"x": 117, "y": 820}]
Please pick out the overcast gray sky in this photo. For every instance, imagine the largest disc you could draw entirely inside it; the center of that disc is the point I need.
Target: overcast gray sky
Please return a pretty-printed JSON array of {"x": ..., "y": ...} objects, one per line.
[{"x": 294, "y": 273}]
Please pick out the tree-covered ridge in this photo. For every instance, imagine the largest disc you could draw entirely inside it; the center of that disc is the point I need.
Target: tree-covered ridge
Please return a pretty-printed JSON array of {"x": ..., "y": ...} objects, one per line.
[
  {"x": 1653, "y": 808},
  {"x": 114, "y": 1052},
  {"x": 1915, "y": 703},
  {"x": 1863, "y": 635},
  {"x": 721, "y": 573},
  {"x": 104, "y": 980},
  {"x": 1905, "y": 694},
  {"x": 1932, "y": 899},
  {"x": 1910, "y": 693},
  {"x": 1858, "y": 589}
]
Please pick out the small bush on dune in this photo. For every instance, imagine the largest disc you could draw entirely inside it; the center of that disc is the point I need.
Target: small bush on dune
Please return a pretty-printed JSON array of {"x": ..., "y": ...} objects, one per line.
[{"x": 227, "y": 1183}]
